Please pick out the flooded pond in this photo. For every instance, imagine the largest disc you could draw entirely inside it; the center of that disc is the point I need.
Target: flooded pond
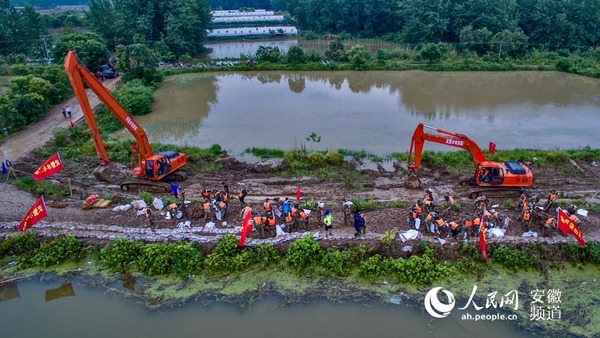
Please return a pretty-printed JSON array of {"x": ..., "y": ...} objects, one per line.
[
  {"x": 374, "y": 111},
  {"x": 86, "y": 312}
]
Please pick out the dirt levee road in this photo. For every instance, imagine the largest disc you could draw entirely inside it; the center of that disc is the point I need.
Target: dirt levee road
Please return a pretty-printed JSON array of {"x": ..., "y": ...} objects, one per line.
[{"x": 39, "y": 133}]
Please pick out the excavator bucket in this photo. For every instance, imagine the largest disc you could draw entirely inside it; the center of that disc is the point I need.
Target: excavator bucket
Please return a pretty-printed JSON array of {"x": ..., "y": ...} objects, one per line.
[{"x": 413, "y": 181}]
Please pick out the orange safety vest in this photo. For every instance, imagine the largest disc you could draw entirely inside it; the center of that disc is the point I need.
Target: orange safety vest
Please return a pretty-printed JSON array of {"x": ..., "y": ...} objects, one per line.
[
  {"x": 303, "y": 214},
  {"x": 418, "y": 208},
  {"x": 172, "y": 206},
  {"x": 222, "y": 205},
  {"x": 267, "y": 206},
  {"x": 477, "y": 221},
  {"x": 526, "y": 215},
  {"x": 205, "y": 194},
  {"x": 429, "y": 218},
  {"x": 440, "y": 222},
  {"x": 206, "y": 206},
  {"x": 453, "y": 225},
  {"x": 414, "y": 214},
  {"x": 525, "y": 206},
  {"x": 258, "y": 220},
  {"x": 288, "y": 218},
  {"x": 468, "y": 223},
  {"x": 271, "y": 221},
  {"x": 225, "y": 197},
  {"x": 550, "y": 221}
]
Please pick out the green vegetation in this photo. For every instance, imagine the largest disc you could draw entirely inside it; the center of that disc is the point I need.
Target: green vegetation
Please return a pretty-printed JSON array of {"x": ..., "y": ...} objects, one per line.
[
  {"x": 305, "y": 256},
  {"x": 39, "y": 188}
]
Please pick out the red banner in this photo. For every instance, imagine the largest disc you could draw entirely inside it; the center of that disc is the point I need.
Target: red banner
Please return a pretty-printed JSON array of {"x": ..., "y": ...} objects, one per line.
[
  {"x": 36, "y": 213},
  {"x": 246, "y": 228},
  {"x": 482, "y": 239},
  {"x": 298, "y": 194},
  {"x": 49, "y": 168},
  {"x": 492, "y": 147},
  {"x": 566, "y": 225}
]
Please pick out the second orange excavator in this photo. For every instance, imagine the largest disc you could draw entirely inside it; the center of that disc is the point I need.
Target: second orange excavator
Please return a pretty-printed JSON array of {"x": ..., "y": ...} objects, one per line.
[
  {"x": 153, "y": 168},
  {"x": 489, "y": 175}
]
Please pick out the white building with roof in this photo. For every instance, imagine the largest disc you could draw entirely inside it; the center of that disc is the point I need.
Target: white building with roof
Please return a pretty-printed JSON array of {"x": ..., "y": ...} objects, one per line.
[{"x": 252, "y": 31}]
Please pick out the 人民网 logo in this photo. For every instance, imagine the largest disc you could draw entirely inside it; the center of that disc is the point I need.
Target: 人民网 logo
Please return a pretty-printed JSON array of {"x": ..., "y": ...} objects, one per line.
[{"x": 435, "y": 307}]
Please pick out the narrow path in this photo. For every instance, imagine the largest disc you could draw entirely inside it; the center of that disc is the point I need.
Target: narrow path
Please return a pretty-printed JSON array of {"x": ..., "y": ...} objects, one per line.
[{"x": 40, "y": 132}]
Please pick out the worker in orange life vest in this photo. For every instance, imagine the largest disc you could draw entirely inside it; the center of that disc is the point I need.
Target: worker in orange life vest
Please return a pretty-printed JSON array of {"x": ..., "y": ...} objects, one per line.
[
  {"x": 268, "y": 207},
  {"x": 414, "y": 221},
  {"x": 455, "y": 229}
]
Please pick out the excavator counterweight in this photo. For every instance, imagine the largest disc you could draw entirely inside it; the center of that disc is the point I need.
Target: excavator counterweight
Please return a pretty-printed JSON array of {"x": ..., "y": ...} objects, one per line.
[
  {"x": 489, "y": 175},
  {"x": 152, "y": 168}
]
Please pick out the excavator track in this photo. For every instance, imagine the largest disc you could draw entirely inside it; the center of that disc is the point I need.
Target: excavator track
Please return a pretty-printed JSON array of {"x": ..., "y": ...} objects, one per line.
[
  {"x": 149, "y": 186},
  {"x": 177, "y": 175},
  {"x": 508, "y": 192}
]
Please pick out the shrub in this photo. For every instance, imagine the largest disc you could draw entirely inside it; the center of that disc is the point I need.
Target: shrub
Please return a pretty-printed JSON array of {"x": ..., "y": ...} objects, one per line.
[
  {"x": 303, "y": 253},
  {"x": 180, "y": 258},
  {"x": 223, "y": 256},
  {"x": 513, "y": 259},
  {"x": 120, "y": 254},
  {"x": 19, "y": 244},
  {"x": 338, "y": 262},
  {"x": 375, "y": 266},
  {"x": 57, "y": 251},
  {"x": 266, "y": 254}
]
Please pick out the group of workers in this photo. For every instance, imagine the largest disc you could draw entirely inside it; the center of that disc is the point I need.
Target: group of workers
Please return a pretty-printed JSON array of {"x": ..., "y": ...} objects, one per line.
[{"x": 425, "y": 211}]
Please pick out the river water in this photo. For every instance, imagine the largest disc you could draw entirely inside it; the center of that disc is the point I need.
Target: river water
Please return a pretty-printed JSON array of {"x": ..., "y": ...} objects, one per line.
[
  {"x": 374, "y": 111},
  {"x": 92, "y": 313}
]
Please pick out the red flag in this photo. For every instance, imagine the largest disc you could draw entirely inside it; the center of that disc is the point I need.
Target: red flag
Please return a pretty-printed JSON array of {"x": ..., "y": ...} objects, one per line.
[
  {"x": 566, "y": 225},
  {"x": 71, "y": 123},
  {"x": 492, "y": 147},
  {"x": 49, "y": 168},
  {"x": 36, "y": 213},
  {"x": 482, "y": 240},
  {"x": 298, "y": 194},
  {"x": 246, "y": 228}
]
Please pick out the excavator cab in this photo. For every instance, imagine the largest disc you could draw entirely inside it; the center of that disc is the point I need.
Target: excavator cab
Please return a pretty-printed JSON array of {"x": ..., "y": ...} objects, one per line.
[{"x": 489, "y": 173}]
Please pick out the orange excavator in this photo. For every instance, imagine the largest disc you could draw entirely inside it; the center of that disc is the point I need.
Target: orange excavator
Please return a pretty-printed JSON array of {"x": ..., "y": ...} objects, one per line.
[
  {"x": 490, "y": 176},
  {"x": 152, "y": 168}
]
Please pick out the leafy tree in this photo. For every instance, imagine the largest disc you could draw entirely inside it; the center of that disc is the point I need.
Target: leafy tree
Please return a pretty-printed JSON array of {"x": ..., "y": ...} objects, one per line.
[
  {"x": 90, "y": 49},
  {"x": 424, "y": 20},
  {"x": 268, "y": 53},
  {"x": 135, "y": 97},
  {"x": 510, "y": 43},
  {"x": 20, "y": 31},
  {"x": 179, "y": 24},
  {"x": 135, "y": 55},
  {"x": 358, "y": 57},
  {"x": 478, "y": 40},
  {"x": 336, "y": 51},
  {"x": 432, "y": 52},
  {"x": 295, "y": 55}
]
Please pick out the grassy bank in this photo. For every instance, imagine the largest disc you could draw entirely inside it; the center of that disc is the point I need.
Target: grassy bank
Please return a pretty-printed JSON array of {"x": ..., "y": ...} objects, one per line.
[{"x": 179, "y": 272}]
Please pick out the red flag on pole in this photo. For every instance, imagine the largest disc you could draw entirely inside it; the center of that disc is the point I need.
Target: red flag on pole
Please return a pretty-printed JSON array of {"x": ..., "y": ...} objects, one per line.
[
  {"x": 49, "y": 168},
  {"x": 36, "y": 213},
  {"x": 568, "y": 226},
  {"x": 246, "y": 228},
  {"x": 298, "y": 194},
  {"x": 482, "y": 240},
  {"x": 71, "y": 123},
  {"x": 492, "y": 147}
]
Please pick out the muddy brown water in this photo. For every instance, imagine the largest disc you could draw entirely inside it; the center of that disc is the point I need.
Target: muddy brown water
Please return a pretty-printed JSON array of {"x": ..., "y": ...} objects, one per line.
[
  {"x": 374, "y": 111},
  {"x": 87, "y": 312}
]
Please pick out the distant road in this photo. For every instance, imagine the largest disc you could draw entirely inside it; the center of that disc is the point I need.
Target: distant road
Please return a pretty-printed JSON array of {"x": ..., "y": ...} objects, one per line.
[{"x": 39, "y": 133}]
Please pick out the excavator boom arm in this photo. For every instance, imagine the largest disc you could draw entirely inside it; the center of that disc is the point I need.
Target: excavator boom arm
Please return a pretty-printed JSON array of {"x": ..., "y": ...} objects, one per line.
[
  {"x": 444, "y": 137},
  {"x": 79, "y": 75}
]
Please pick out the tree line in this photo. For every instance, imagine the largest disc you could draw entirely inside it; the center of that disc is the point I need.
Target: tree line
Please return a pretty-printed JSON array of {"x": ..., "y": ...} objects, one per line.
[{"x": 544, "y": 24}]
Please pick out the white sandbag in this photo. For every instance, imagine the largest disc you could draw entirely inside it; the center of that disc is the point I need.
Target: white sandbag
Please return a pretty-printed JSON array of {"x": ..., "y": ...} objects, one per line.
[
  {"x": 219, "y": 215},
  {"x": 277, "y": 212},
  {"x": 138, "y": 204},
  {"x": 158, "y": 203},
  {"x": 279, "y": 231},
  {"x": 321, "y": 205},
  {"x": 179, "y": 214},
  {"x": 496, "y": 232},
  {"x": 122, "y": 207},
  {"x": 225, "y": 224},
  {"x": 409, "y": 235},
  {"x": 307, "y": 211},
  {"x": 582, "y": 212},
  {"x": 140, "y": 212},
  {"x": 168, "y": 215},
  {"x": 417, "y": 223},
  {"x": 530, "y": 234},
  {"x": 210, "y": 225},
  {"x": 442, "y": 241}
]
